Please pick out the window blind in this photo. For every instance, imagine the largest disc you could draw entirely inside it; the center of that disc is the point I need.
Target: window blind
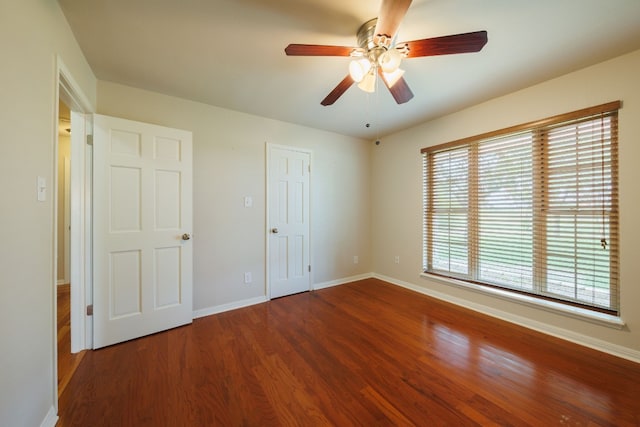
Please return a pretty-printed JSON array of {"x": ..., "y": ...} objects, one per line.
[{"x": 532, "y": 208}]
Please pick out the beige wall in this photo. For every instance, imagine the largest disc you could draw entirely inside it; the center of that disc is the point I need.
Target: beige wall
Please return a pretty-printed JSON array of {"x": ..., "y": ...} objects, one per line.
[
  {"x": 397, "y": 182},
  {"x": 32, "y": 33},
  {"x": 229, "y": 163}
]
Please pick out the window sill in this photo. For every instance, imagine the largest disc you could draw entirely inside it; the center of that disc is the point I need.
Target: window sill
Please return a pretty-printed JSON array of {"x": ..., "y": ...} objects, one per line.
[{"x": 598, "y": 318}]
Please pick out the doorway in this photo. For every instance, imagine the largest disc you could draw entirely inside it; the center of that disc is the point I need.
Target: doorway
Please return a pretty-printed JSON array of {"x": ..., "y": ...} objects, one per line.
[
  {"x": 72, "y": 228},
  {"x": 67, "y": 361}
]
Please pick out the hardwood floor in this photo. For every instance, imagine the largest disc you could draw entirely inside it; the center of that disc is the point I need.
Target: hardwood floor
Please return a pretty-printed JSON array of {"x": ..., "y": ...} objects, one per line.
[
  {"x": 361, "y": 354},
  {"x": 67, "y": 362}
]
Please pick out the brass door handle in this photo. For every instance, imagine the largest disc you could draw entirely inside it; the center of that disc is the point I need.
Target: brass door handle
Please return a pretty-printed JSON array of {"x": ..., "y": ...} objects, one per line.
[
  {"x": 186, "y": 236},
  {"x": 274, "y": 230}
]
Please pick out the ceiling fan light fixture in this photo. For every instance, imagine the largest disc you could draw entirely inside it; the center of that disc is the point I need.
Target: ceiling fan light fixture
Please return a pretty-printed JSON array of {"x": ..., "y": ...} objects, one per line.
[
  {"x": 358, "y": 69},
  {"x": 368, "y": 83},
  {"x": 390, "y": 60},
  {"x": 393, "y": 77},
  {"x": 377, "y": 52}
]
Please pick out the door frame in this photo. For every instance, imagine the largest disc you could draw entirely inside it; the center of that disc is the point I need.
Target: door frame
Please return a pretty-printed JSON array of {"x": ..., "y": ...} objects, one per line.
[
  {"x": 268, "y": 148},
  {"x": 69, "y": 91}
]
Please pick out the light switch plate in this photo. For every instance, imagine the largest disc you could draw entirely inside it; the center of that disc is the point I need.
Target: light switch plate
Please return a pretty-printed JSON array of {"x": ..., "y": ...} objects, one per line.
[{"x": 41, "y": 189}]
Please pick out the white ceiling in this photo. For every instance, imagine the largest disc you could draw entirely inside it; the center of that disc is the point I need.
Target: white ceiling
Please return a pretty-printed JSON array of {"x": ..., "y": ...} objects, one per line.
[{"x": 230, "y": 53}]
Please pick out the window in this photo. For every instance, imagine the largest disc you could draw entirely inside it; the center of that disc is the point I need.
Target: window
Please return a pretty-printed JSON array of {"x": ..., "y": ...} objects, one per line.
[{"x": 532, "y": 208}]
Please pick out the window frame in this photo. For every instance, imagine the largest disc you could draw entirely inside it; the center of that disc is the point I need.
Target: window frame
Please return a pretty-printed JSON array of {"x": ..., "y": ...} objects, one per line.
[{"x": 538, "y": 129}]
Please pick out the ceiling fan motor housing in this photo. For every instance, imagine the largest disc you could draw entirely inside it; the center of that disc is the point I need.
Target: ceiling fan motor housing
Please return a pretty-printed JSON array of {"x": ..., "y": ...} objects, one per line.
[
  {"x": 372, "y": 45},
  {"x": 366, "y": 34}
]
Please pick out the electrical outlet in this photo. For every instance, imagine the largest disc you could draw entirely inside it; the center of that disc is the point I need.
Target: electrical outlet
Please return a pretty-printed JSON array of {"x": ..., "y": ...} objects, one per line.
[
  {"x": 397, "y": 259},
  {"x": 247, "y": 277},
  {"x": 355, "y": 259}
]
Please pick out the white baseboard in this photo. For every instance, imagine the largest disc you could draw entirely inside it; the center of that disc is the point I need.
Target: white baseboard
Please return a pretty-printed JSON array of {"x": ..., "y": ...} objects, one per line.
[
  {"x": 584, "y": 340},
  {"x": 341, "y": 281},
  {"x": 50, "y": 419},
  {"x": 228, "y": 307},
  {"x": 258, "y": 300}
]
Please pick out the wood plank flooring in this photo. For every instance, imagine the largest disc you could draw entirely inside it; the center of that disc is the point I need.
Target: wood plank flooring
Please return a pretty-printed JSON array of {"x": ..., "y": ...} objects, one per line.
[
  {"x": 362, "y": 354},
  {"x": 67, "y": 362}
]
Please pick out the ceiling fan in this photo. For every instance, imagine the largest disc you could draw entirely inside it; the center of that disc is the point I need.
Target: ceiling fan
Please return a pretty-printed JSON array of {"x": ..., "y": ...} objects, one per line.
[{"x": 377, "y": 53}]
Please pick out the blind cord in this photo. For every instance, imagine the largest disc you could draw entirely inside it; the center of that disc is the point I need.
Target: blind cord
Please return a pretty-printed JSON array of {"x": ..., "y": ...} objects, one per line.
[{"x": 603, "y": 240}]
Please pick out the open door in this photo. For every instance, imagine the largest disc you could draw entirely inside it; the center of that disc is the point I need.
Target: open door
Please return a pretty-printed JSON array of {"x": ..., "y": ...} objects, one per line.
[{"x": 142, "y": 219}]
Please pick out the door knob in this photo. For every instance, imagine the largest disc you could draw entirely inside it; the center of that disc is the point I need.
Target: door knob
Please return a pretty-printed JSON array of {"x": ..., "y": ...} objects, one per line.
[
  {"x": 186, "y": 236},
  {"x": 274, "y": 230}
]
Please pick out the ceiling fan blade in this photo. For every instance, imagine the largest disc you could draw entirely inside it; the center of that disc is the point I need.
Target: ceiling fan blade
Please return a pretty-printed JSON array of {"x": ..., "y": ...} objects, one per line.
[
  {"x": 447, "y": 45},
  {"x": 317, "y": 50},
  {"x": 338, "y": 91},
  {"x": 391, "y": 14},
  {"x": 400, "y": 90}
]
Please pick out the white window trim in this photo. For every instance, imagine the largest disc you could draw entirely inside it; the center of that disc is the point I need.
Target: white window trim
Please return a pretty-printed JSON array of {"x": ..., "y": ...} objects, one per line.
[{"x": 598, "y": 318}]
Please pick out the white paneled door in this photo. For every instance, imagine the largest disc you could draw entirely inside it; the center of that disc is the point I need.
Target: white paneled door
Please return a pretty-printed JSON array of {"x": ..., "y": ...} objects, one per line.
[
  {"x": 289, "y": 268},
  {"x": 142, "y": 222}
]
